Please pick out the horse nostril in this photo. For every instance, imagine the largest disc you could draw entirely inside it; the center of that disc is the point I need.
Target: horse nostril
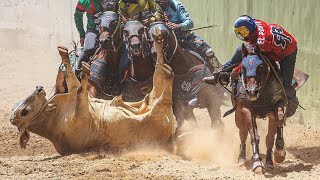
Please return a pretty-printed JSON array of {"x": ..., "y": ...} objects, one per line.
[{"x": 39, "y": 89}]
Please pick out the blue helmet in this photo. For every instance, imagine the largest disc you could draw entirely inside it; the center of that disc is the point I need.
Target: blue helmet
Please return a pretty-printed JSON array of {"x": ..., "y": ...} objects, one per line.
[{"x": 244, "y": 26}]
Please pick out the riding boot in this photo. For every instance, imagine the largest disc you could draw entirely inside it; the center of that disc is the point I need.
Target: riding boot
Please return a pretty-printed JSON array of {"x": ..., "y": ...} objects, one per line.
[{"x": 242, "y": 154}]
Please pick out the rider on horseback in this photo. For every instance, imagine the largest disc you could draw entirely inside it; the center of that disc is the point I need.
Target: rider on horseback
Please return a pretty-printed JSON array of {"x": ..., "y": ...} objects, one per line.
[
  {"x": 275, "y": 42},
  {"x": 178, "y": 19},
  {"x": 134, "y": 10},
  {"x": 88, "y": 38}
]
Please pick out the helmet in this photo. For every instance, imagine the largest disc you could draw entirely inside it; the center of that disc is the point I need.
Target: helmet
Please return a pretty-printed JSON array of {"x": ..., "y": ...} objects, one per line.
[{"x": 244, "y": 26}]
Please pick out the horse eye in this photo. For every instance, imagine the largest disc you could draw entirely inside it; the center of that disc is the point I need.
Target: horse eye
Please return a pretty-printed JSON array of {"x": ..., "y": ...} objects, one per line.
[{"x": 141, "y": 31}]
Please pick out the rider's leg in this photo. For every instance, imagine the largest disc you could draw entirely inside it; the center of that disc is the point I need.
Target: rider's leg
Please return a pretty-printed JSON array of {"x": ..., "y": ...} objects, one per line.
[
  {"x": 88, "y": 48},
  {"x": 287, "y": 68},
  {"x": 205, "y": 50}
]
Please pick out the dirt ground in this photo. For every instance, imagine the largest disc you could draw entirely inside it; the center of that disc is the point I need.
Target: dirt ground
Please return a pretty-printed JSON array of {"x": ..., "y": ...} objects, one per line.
[{"x": 211, "y": 154}]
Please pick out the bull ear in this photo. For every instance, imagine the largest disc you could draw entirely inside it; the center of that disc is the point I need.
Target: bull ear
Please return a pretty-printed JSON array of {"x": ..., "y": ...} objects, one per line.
[{"x": 244, "y": 50}]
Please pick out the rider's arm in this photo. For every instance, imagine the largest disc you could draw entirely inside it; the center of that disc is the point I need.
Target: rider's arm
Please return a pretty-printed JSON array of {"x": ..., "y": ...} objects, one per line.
[
  {"x": 78, "y": 19},
  {"x": 184, "y": 17},
  {"x": 236, "y": 58}
]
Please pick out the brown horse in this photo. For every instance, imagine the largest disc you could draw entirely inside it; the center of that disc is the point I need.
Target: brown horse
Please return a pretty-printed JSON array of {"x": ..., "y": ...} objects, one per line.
[
  {"x": 259, "y": 93},
  {"x": 188, "y": 67}
]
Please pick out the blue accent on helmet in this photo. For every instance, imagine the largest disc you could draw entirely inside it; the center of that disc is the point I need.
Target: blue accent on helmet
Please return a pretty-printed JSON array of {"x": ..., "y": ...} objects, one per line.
[{"x": 246, "y": 21}]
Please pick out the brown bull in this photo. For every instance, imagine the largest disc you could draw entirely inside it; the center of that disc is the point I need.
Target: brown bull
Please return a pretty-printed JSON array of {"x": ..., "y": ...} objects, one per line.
[{"x": 74, "y": 121}]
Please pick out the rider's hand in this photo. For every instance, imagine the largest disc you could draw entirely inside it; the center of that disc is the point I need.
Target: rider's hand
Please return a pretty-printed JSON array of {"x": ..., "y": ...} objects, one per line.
[
  {"x": 82, "y": 41},
  {"x": 173, "y": 26},
  {"x": 166, "y": 17}
]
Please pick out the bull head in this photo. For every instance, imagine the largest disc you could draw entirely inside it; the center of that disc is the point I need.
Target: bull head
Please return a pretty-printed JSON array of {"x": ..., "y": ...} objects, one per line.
[{"x": 26, "y": 111}]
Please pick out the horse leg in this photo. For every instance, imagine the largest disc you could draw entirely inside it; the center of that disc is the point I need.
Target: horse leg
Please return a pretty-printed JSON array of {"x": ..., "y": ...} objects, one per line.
[
  {"x": 250, "y": 120},
  {"x": 243, "y": 133},
  {"x": 272, "y": 124},
  {"x": 279, "y": 153},
  {"x": 189, "y": 115},
  {"x": 70, "y": 77}
]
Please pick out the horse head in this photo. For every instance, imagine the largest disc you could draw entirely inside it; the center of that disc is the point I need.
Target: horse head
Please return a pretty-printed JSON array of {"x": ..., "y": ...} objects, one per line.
[
  {"x": 135, "y": 36},
  {"x": 109, "y": 28},
  {"x": 170, "y": 41},
  {"x": 254, "y": 71}
]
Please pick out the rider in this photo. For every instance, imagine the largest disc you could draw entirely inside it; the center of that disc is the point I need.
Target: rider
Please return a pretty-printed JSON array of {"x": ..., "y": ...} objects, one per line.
[
  {"x": 133, "y": 9},
  {"x": 178, "y": 19},
  {"x": 88, "y": 38},
  {"x": 275, "y": 43}
]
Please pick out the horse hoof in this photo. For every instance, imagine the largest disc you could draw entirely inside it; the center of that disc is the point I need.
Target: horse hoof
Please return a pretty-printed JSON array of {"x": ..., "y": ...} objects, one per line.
[
  {"x": 241, "y": 161},
  {"x": 279, "y": 155},
  {"x": 269, "y": 166},
  {"x": 258, "y": 167}
]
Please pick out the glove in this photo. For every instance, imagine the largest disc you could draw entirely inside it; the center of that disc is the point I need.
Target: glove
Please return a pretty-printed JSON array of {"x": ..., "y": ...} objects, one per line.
[{"x": 212, "y": 79}]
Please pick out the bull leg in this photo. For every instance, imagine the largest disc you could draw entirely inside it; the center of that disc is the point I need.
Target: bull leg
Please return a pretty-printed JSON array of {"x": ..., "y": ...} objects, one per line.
[
  {"x": 243, "y": 133},
  {"x": 82, "y": 106},
  {"x": 61, "y": 86},
  {"x": 71, "y": 79},
  {"x": 279, "y": 153},
  {"x": 270, "y": 141}
]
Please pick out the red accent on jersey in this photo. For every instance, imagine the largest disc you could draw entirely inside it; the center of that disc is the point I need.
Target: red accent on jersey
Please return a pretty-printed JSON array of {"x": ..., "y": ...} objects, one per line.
[
  {"x": 274, "y": 41},
  {"x": 80, "y": 8},
  {"x": 91, "y": 11}
]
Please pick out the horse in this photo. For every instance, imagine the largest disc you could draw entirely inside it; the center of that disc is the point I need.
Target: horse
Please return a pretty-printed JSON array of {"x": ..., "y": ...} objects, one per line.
[
  {"x": 104, "y": 79},
  {"x": 259, "y": 93},
  {"x": 189, "y": 68},
  {"x": 104, "y": 64}
]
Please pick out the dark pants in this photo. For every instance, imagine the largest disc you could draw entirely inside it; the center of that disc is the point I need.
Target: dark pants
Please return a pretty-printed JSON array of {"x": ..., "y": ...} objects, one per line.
[
  {"x": 89, "y": 47},
  {"x": 287, "y": 65}
]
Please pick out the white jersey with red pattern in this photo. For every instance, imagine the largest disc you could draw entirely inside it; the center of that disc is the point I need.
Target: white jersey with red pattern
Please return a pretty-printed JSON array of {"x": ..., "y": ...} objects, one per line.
[{"x": 274, "y": 41}]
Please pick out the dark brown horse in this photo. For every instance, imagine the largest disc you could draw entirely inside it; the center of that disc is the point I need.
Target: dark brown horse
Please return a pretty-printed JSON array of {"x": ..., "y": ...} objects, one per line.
[
  {"x": 259, "y": 93},
  {"x": 189, "y": 69},
  {"x": 104, "y": 79}
]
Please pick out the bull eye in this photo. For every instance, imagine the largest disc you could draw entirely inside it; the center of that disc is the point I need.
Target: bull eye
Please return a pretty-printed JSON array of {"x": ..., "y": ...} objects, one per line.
[{"x": 24, "y": 113}]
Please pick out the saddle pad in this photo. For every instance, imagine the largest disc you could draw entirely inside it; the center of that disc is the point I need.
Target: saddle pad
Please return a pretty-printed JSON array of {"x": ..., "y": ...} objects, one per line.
[{"x": 187, "y": 86}]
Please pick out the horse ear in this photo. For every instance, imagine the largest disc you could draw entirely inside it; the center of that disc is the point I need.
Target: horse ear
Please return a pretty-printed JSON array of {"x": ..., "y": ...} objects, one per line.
[
  {"x": 244, "y": 50},
  {"x": 258, "y": 49}
]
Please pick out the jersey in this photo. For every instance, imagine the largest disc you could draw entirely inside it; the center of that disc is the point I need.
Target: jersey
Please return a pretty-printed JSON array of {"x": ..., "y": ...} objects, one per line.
[
  {"x": 90, "y": 7},
  {"x": 274, "y": 41},
  {"x": 178, "y": 14},
  {"x": 129, "y": 10}
]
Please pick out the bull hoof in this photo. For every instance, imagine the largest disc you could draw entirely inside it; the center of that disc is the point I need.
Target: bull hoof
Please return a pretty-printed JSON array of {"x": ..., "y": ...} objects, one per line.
[
  {"x": 157, "y": 35},
  {"x": 279, "y": 155},
  {"x": 258, "y": 167},
  {"x": 63, "y": 51},
  {"x": 167, "y": 71},
  {"x": 85, "y": 69}
]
